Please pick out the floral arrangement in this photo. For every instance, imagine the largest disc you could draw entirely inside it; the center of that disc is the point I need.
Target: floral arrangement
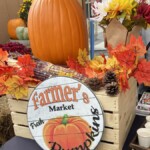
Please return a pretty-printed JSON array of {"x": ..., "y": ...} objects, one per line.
[
  {"x": 113, "y": 72},
  {"x": 15, "y": 79},
  {"x": 129, "y": 12},
  {"x": 24, "y": 10}
]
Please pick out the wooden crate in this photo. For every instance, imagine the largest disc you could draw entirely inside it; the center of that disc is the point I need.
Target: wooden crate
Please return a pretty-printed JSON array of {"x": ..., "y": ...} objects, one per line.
[{"x": 119, "y": 113}]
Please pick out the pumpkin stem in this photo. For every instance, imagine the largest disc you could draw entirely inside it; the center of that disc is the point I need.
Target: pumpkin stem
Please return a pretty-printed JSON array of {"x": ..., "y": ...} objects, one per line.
[{"x": 65, "y": 119}]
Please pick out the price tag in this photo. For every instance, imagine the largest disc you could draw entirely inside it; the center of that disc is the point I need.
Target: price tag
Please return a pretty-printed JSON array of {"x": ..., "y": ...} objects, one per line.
[{"x": 64, "y": 114}]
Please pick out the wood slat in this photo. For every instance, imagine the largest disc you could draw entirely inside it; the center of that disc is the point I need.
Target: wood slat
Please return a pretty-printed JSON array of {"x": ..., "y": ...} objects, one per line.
[
  {"x": 109, "y": 135},
  {"x": 111, "y": 120},
  {"x": 18, "y": 106},
  {"x": 24, "y": 132},
  {"x": 109, "y": 103},
  {"x": 106, "y": 146}
]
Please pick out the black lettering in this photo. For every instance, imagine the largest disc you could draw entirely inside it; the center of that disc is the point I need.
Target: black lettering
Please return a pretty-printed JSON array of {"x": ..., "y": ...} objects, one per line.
[{"x": 52, "y": 109}]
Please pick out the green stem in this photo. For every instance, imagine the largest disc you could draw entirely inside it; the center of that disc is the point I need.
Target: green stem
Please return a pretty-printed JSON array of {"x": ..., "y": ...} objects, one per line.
[{"x": 65, "y": 119}]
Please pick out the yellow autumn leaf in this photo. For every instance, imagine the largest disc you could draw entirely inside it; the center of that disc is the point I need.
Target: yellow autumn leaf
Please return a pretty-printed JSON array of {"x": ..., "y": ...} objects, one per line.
[
  {"x": 97, "y": 63},
  {"x": 16, "y": 87},
  {"x": 83, "y": 57},
  {"x": 112, "y": 64}
]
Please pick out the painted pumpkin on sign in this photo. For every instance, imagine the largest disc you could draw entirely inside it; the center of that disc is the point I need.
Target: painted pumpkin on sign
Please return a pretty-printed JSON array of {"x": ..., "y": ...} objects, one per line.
[
  {"x": 57, "y": 29},
  {"x": 67, "y": 132}
]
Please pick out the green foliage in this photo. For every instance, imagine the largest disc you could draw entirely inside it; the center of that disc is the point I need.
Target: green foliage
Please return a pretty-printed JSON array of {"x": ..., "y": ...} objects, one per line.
[{"x": 24, "y": 10}]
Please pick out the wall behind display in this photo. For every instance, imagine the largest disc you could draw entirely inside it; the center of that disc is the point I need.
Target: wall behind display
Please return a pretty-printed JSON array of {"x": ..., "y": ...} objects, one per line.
[{"x": 8, "y": 10}]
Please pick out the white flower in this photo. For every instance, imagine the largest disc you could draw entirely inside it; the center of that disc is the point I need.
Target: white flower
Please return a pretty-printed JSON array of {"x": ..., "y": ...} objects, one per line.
[
  {"x": 98, "y": 11},
  {"x": 147, "y": 2}
]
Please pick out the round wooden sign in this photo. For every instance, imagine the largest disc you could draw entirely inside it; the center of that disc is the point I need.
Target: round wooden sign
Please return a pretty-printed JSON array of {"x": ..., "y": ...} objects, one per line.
[{"x": 64, "y": 114}]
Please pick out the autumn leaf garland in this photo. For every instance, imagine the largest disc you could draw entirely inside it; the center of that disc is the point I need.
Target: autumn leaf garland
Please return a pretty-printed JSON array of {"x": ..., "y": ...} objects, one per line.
[
  {"x": 16, "y": 79},
  {"x": 125, "y": 61}
]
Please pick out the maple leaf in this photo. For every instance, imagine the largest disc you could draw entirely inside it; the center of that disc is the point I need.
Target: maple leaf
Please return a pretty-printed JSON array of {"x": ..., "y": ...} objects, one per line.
[
  {"x": 113, "y": 65},
  {"x": 98, "y": 63},
  {"x": 91, "y": 73},
  {"x": 123, "y": 81},
  {"x": 3, "y": 57},
  {"x": 73, "y": 64},
  {"x": 3, "y": 87},
  {"x": 142, "y": 73},
  {"x": 83, "y": 57},
  {"x": 16, "y": 87},
  {"x": 127, "y": 59},
  {"x": 8, "y": 71},
  {"x": 137, "y": 45},
  {"x": 118, "y": 48},
  {"x": 27, "y": 66}
]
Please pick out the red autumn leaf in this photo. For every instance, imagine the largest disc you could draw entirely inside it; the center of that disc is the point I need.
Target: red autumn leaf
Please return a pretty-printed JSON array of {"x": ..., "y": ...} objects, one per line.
[
  {"x": 3, "y": 87},
  {"x": 27, "y": 66},
  {"x": 73, "y": 64},
  {"x": 137, "y": 45},
  {"x": 123, "y": 82},
  {"x": 3, "y": 57},
  {"x": 142, "y": 73},
  {"x": 126, "y": 59},
  {"x": 8, "y": 71}
]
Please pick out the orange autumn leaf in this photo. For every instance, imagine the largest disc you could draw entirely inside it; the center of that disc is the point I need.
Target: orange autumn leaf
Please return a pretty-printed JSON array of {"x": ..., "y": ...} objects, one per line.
[
  {"x": 91, "y": 73},
  {"x": 27, "y": 65},
  {"x": 118, "y": 48},
  {"x": 127, "y": 59},
  {"x": 142, "y": 73},
  {"x": 83, "y": 57},
  {"x": 16, "y": 87},
  {"x": 123, "y": 82},
  {"x": 3, "y": 87},
  {"x": 3, "y": 57},
  {"x": 137, "y": 45}
]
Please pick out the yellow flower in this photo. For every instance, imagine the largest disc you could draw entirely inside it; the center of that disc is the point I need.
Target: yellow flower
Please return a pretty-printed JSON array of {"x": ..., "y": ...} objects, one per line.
[{"x": 116, "y": 7}]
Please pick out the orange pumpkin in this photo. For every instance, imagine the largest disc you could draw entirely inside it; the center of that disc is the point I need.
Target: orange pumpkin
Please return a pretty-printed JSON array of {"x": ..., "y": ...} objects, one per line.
[
  {"x": 12, "y": 25},
  {"x": 66, "y": 132},
  {"x": 57, "y": 29}
]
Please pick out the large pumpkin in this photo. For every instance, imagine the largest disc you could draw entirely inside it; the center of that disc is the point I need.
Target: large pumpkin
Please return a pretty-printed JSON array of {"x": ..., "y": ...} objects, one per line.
[
  {"x": 67, "y": 132},
  {"x": 57, "y": 29},
  {"x": 12, "y": 25}
]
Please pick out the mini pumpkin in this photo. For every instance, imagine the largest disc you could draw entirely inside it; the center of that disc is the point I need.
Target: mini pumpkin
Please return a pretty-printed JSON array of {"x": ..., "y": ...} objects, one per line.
[
  {"x": 12, "y": 25},
  {"x": 68, "y": 132},
  {"x": 57, "y": 29},
  {"x": 22, "y": 33}
]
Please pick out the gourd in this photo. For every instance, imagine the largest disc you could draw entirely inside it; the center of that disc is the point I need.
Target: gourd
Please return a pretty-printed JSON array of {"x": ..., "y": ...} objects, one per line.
[
  {"x": 22, "y": 33},
  {"x": 12, "y": 25},
  {"x": 57, "y": 29},
  {"x": 68, "y": 132}
]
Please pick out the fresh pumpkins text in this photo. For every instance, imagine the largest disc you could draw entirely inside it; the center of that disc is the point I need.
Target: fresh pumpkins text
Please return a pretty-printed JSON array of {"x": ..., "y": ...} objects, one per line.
[{"x": 56, "y": 94}]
